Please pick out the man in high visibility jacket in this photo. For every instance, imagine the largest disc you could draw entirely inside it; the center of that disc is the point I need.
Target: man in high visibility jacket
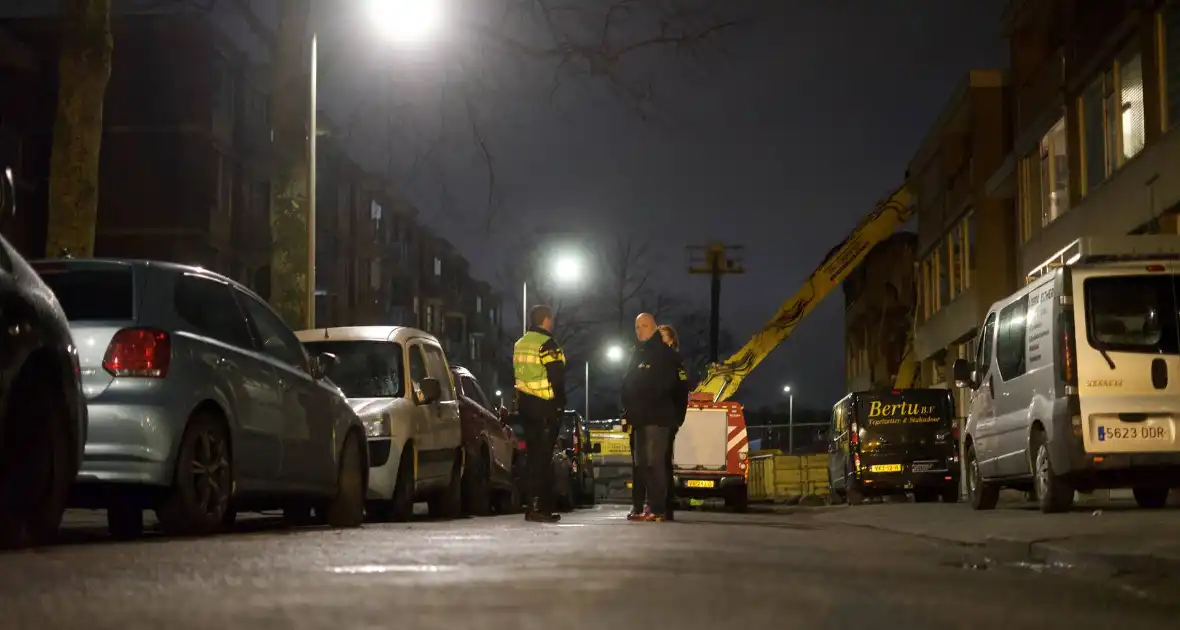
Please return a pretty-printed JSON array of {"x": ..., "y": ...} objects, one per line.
[{"x": 538, "y": 365}]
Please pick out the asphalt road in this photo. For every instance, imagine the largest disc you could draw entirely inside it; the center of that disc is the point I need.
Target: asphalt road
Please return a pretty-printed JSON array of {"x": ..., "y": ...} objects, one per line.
[{"x": 594, "y": 570}]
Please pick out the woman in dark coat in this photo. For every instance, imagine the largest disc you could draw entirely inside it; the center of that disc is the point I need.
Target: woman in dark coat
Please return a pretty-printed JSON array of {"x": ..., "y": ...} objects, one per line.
[{"x": 668, "y": 334}]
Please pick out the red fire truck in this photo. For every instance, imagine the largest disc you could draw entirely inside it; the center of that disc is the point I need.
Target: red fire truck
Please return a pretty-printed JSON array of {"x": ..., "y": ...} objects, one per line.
[{"x": 709, "y": 457}]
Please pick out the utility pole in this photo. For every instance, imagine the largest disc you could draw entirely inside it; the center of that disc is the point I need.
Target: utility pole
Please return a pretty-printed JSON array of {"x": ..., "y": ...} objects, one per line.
[{"x": 715, "y": 259}]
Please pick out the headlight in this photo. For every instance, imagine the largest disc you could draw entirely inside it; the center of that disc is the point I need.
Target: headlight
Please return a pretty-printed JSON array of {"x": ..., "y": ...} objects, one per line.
[{"x": 376, "y": 427}]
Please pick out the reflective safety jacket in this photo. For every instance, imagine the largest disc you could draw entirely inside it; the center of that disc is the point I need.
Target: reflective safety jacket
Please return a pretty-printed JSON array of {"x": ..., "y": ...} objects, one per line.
[{"x": 538, "y": 365}]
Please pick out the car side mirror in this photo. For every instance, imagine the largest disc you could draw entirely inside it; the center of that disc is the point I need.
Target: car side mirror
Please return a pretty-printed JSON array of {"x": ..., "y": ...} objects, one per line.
[
  {"x": 323, "y": 362},
  {"x": 964, "y": 373},
  {"x": 596, "y": 448},
  {"x": 430, "y": 390},
  {"x": 7, "y": 197}
]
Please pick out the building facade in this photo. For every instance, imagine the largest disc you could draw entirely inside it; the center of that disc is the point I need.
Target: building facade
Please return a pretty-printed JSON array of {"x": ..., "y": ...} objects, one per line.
[
  {"x": 1096, "y": 95},
  {"x": 965, "y": 237},
  {"x": 879, "y": 300},
  {"x": 184, "y": 177}
]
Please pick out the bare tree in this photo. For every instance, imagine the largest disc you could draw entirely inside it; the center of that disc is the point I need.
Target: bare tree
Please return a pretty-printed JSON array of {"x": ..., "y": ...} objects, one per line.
[{"x": 84, "y": 68}]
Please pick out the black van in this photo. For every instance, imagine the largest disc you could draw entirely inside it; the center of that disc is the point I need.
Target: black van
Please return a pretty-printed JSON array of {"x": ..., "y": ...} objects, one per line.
[{"x": 894, "y": 442}]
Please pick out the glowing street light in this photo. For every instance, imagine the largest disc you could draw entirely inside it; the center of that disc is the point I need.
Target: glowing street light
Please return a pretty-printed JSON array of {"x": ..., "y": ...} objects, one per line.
[
  {"x": 566, "y": 269},
  {"x": 410, "y": 21},
  {"x": 790, "y": 419},
  {"x": 614, "y": 354}
]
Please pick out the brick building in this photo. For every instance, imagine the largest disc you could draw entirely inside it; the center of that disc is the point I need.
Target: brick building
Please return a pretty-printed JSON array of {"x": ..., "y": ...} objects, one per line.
[
  {"x": 879, "y": 301},
  {"x": 185, "y": 177}
]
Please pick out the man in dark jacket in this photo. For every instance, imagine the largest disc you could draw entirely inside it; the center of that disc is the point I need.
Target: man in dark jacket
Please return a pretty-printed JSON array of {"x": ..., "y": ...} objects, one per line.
[
  {"x": 538, "y": 365},
  {"x": 650, "y": 392}
]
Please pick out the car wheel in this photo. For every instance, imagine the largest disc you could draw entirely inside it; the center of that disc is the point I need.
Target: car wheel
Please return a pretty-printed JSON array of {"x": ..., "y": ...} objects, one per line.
[
  {"x": 1151, "y": 498},
  {"x": 925, "y": 496},
  {"x": 37, "y": 462},
  {"x": 125, "y": 522},
  {"x": 983, "y": 495},
  {"x": 950, "y": 494},
  {"x": 738, "y": 499},
  {"x": 347, "y": 508},
  {"x": 477, "y": 487},
  {"x": 1054, "y": 494},
  {"x": 203, "y": 482},
  {"x": 448, "y": 502},
  {"x": 508, "y": 501}
]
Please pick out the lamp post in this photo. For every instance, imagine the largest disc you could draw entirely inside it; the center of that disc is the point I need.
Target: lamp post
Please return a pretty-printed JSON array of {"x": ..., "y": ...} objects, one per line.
[
  {"x": 499, "y": 398},
  {"x": 790, "y": 419},
  {"x": 614, "y": 354}
]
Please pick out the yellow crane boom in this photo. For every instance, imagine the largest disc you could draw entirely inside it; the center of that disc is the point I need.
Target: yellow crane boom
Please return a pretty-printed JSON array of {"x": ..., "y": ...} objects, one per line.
[{"x": 723, "y": 379}]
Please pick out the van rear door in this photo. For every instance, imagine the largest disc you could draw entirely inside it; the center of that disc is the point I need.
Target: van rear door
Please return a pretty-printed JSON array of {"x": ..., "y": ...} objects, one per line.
[
  {"x": 1127, "y": 338},
  {"x": 904, "y": 426}
]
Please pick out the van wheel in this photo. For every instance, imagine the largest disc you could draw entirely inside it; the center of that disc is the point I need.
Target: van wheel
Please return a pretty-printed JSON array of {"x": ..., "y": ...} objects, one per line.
[
  {"x": 37, "y": 461},
  {"x": 448, "y": 502},
  {"x": 400, "y": 508},
  {"x": 125, "y": 522},
  {"x": 347, "y": 508},
  {"x": 1054, "y": 494},
  {"x": 738, "y": 499},
  {"x": 477, "y": 487},
  {"x": 1151, "y": 498},
  {"x": 925, "y": 496},
  {"x": 200, "y": 493},
  {"x": 508, "y": 501},
  {"x": 982, "y": 494}
]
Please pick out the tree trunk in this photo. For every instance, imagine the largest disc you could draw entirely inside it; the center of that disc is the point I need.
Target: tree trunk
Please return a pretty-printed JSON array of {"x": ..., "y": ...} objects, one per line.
[
  {"x": 83, "y": 70},
  {"x": 290, "y": 203}
]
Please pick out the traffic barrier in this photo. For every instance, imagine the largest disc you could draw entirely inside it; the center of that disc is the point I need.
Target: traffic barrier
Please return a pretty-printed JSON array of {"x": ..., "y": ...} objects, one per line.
[{"x": 775, "y": 477}]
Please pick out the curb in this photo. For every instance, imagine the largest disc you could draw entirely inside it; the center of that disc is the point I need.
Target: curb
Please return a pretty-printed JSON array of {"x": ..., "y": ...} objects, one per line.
[{"x": 1054, "y": 552}]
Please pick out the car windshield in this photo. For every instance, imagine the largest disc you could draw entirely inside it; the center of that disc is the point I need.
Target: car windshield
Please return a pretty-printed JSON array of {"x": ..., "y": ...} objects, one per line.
[
  {"x": 91, "y": 293},
  {"x": 364, "y": 369},
  {"x": 1132, "y": 313}
]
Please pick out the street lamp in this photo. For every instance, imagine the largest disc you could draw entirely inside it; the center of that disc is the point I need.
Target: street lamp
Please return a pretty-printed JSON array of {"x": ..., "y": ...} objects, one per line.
[
  {"x": 790, "y": 419},
  {"x": 566, "y": 269},
  {"x": 405, "y": 20},
  {"x": 614, "y": 354},
  {"x": 500, "y": 397}
]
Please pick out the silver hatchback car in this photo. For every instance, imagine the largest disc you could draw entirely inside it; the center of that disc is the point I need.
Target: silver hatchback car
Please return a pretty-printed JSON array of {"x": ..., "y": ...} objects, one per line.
[{"x": 202, "y": 402}]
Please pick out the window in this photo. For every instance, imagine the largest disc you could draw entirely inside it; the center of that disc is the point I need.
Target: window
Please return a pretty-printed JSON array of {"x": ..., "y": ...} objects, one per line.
[
  {"x": 437, "y": 366},
  {"x": 277, "y": 340},
  {"x": 375, "y": 273},
  {"x": 478, "y": 304},
  {"x": 475, "y": 393},
  {"x": 969, "y": 224},
  {"x": 1170, "y": 29},
  {"x": 437, "y": 266},
  {"x": 1029, "y": 198},
  {"x": 473, "y": 342},
  {"x": 1010, "y": 339},
  {"x": 210, "y": 308},
  {"x": 944, "y": 283},
  {"x": 364, "y": 369},
  {"x": 1054, "y": 173},
  {"x": 1114, "y": 127},
  {"x": 91, "y": 293},
  {"x": 983, "y": 346},
  {"x": 1132, "y": 314},
  {"x": 430, "y": 318},
  {"x": 417, "y": 368}
]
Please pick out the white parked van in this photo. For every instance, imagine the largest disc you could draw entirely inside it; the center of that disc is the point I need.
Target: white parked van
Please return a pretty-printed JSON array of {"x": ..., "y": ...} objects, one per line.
[
  {"x": 1076, "y": 384},
  {"x": 398, "y": 381}
]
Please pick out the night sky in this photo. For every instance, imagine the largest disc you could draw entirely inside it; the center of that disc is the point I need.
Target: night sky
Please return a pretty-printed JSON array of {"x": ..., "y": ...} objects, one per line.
[{"x": 779, "y": 138}]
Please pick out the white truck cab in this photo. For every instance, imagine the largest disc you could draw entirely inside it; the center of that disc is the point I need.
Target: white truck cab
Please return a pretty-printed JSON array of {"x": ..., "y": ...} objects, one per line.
[
  {"x": 1076, "y": 381},
  {"x": 397, "y": 380}
]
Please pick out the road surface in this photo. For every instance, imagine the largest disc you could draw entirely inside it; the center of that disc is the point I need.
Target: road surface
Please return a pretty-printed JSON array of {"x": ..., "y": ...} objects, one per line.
[{"x": 594, "y": 570}]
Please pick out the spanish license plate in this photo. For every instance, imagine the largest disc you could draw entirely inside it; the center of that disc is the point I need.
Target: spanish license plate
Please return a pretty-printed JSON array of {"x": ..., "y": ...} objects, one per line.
[
  {"x": 885, "y": 468},
  {"x": 1142, "y": 434},
  {"x": 699, "y": 483}
]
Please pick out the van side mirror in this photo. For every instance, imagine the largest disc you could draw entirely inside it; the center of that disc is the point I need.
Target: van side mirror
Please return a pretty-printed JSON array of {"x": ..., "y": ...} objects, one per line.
[
  {"x": 7, "y": 197},
  {"x": 964, "y": 373},
  {"x": 430, "y": 390}
]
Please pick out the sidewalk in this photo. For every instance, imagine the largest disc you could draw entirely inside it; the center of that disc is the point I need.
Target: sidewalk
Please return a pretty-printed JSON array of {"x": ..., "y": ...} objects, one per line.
[{"x": 1116, "y": 536}]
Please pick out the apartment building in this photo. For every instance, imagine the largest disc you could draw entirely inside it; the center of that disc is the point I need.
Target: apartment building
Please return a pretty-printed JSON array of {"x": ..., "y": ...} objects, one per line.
[
  {"x": 1096, "y": 98},
  {"x": 879, "y": 301},
  {"x": 965, "y": 237}
]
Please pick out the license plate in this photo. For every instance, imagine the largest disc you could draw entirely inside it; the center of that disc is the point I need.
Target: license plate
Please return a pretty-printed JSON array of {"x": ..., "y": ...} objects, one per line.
[
  {"x": 698, "y": 483},
  {"x": 1133, "y": 434},
  {"x": 885, "y": 468}
]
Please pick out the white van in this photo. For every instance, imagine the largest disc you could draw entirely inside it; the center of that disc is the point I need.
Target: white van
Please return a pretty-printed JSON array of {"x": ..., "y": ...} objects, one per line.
[
  {"x": 398, "y": 381},
  {"x": 1076, "y": 384}
]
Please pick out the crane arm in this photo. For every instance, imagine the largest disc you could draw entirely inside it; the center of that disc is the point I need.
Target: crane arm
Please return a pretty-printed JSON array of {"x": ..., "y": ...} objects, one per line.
[{"x": 724, "y": 379}]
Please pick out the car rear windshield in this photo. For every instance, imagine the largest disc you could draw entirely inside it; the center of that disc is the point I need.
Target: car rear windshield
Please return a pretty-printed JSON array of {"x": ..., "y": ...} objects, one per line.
[
  {"x": 1132, "y": 313},
  {"x": 364, "y": 369},
  {"x": 98, "y": 293},
  {"x": 906, "y": 411}
]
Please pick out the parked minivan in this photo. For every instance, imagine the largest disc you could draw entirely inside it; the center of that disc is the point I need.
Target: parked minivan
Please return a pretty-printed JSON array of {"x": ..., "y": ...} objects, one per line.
[{"x": 1076, "y": 381}]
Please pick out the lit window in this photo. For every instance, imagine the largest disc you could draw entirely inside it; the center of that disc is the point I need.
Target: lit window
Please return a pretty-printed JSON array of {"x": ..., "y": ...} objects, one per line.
[
  {"x": 1170, "y": 30},
  {"x": 437, "y": 266},
  {"x": 1113, "y": 119},
  {"x": 478, "y": 304},
  {"x": 1054, "y": 184}
]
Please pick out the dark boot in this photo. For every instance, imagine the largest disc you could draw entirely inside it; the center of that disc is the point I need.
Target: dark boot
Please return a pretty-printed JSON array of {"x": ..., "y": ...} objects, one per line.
[{"x": 536, "y": 515}]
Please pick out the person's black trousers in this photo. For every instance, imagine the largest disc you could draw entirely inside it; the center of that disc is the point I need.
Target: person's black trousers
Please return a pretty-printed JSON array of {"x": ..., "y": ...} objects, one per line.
[
  {"x": 652, "y": 445},
  {"x": 540, "y": 431},
  {"x": 638, "y": 488},
  {"x": 671, "y": 484}
]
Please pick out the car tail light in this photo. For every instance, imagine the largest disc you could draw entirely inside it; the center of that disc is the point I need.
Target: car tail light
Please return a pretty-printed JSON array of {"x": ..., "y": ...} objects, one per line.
[
  {"x": 139, "y": 352},
  {"x": 854, "y": 435},
  {"x": 1069, "y": 373},
  {"x": 520, "y": 444}
]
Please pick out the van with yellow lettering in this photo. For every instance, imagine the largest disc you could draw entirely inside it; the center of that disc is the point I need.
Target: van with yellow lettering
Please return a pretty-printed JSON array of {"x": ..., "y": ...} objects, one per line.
[{"x": 893, "y": 443}]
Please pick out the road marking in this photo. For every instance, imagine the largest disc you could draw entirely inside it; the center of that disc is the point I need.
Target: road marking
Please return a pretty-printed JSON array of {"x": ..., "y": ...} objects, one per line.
[{"x": 391, "y": 568}]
